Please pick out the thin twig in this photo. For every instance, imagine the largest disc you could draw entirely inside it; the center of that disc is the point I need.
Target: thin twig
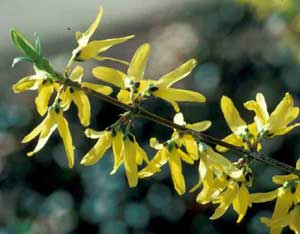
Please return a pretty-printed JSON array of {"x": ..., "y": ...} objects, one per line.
[{"x": 141, "y": 112}]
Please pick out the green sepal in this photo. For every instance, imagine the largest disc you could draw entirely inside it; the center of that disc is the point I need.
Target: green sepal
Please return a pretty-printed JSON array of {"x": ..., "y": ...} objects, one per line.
[{"x": 20, "y": 59}]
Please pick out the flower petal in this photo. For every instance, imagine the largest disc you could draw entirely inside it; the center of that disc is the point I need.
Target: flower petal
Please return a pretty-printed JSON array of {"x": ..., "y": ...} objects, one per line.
[
  {"x": 64, "y": 132},
  {"x": 160, "y": 158},
  {"x": 199, "y": 126},
  {"x": 110, "y": 75},
  {"x": 227, "y": 198},
  {"x": 117, "y": 145},
  {"x": 131, "y": 169},
  {"x": 176, "y": 75},
  {"x": 231, "y": 139},
  {"x": 77, "y": 74},
  {"x": 96, "y": 47},
  {"x": 83, "y": 38},
  {"x": 98, "y": 150},
  {"x": 176, "y": 172},
  {"x": 82, "y": 103},
  {"x": 178, "y": 95},
  {"x": 138, "y": 63},
  {"x": 124, "y": 96},
  {"x": 42, "y": 100},
  {"x": 231, "y": 115},
  {"x": 103, "y": 89},
  {"x": 263, "y": 197},
  {"x": 24, "y": 84},
  {"x": 47, "y": 129},
  {"x": 241, "y": 202}
]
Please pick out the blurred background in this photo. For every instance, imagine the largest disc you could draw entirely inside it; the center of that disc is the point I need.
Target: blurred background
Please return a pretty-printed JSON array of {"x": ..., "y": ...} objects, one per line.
[{"x": 243, "y": 47}]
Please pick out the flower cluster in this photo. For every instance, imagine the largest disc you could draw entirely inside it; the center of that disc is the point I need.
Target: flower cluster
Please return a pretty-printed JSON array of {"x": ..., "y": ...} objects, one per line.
[{"x": 221, "y": 181}]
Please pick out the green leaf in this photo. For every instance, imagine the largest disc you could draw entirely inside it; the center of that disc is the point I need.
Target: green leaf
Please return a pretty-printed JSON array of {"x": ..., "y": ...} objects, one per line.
[
  {"x": 24, "y": 45},
  {"x": 20, "y": 59}
]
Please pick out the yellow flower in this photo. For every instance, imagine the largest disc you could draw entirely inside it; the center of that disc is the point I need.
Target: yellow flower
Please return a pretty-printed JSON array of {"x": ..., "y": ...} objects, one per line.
[
  {"x": 179, "y": 147},
  {"x": 41, "y": 82},
  {"x": 133, "y": 85},
  {"x": 243, "y": 134},
  {"x": 79, "y": 97},
  {"x": 277, "y": 122},
  {"x": 291, "y": 219},
  {"x": 125, "y": 149},
  {"x": 88, "y": 50},
  {"x": 287, "y": 196},
  {"x": 53, "y": 120},
  {"x": 223, "y": 183}
]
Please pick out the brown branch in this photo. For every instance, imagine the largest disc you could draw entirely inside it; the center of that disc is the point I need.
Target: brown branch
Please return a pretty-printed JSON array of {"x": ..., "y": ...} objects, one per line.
[{"x": 141, "y": 112}]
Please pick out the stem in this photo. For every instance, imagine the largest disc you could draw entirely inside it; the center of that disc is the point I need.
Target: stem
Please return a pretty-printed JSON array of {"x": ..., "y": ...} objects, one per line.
[{"x": 141, "y": 112}]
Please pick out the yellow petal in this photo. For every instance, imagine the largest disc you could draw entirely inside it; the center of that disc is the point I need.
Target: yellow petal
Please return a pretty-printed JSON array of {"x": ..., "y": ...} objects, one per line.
[
  {"x": 155, "y": 144},
  {"x": 46, "y": 130},
  {"x": 128, "y": 153},
  {"x": 117, "y": 145},
  {"x": 42, "y": 100},
  {"x": 286, "y": 130},
  {"x": 281, "y": 179},
  {"x": 36, "y": 131},
  {"x": 103, "y": 89},
  {"x": 91, "y": 133},
  {"x": 98, "y": 150},
  {"x": 263, "y": 197},
  {"x": 259, "y": 107},
  {"x": 83, "y": 38},
  {"x": 191, "y": 146},
  {"x": 227, "y": 198},
  {"x": 284, "y": 113},
  {"x": 283, "y": 204},
  {"x": 176, "y": 173},
  {"x": 25, "y": 84},
  {"x": 124, "y": 96},
  {"x": 231, "y": 115},
  {"x": 200, "y": 126},
  {"x": 231, "y": 139},
  {"x": 138, "y": 63},
  {"x": 82, "y": 103},
  {"x": 185, "y": 157},
  {"x": 64, "y": 132},
  {"x": 77, "y": 74},
  {"x": 141, "y": 155},
  {"x": 241, "y": 202},
  {"x": 294, "y": 218},
  {"x": 102, "y": 58},
  {"x": 92, "y": 49},
  {"x": 110, "y": 75},
  {"x": 176, "y": 75},
  {"x": 178, "y": 95},
  {"x": 298, "y": 164},
  {"x": 160, "y": 158}
]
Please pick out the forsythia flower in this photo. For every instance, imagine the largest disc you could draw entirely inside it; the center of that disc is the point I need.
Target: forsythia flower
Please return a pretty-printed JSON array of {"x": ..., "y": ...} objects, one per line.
[
  {"x": 179, "y": 147},
  {"x": 276, "y": 123},
  {"x": 88, "y": 50},
  {"x": 125, "y": 149},
  {"x": 243, "y": 134},
  {"x": 41, "y": 82},
  {"x": 53, "y": 120},
  {"x": 134, "y": 86},
  {"x": 79, "y": 97},
  {"x": 287, "y": 209},
  {"x": 223, "y": 183}
]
